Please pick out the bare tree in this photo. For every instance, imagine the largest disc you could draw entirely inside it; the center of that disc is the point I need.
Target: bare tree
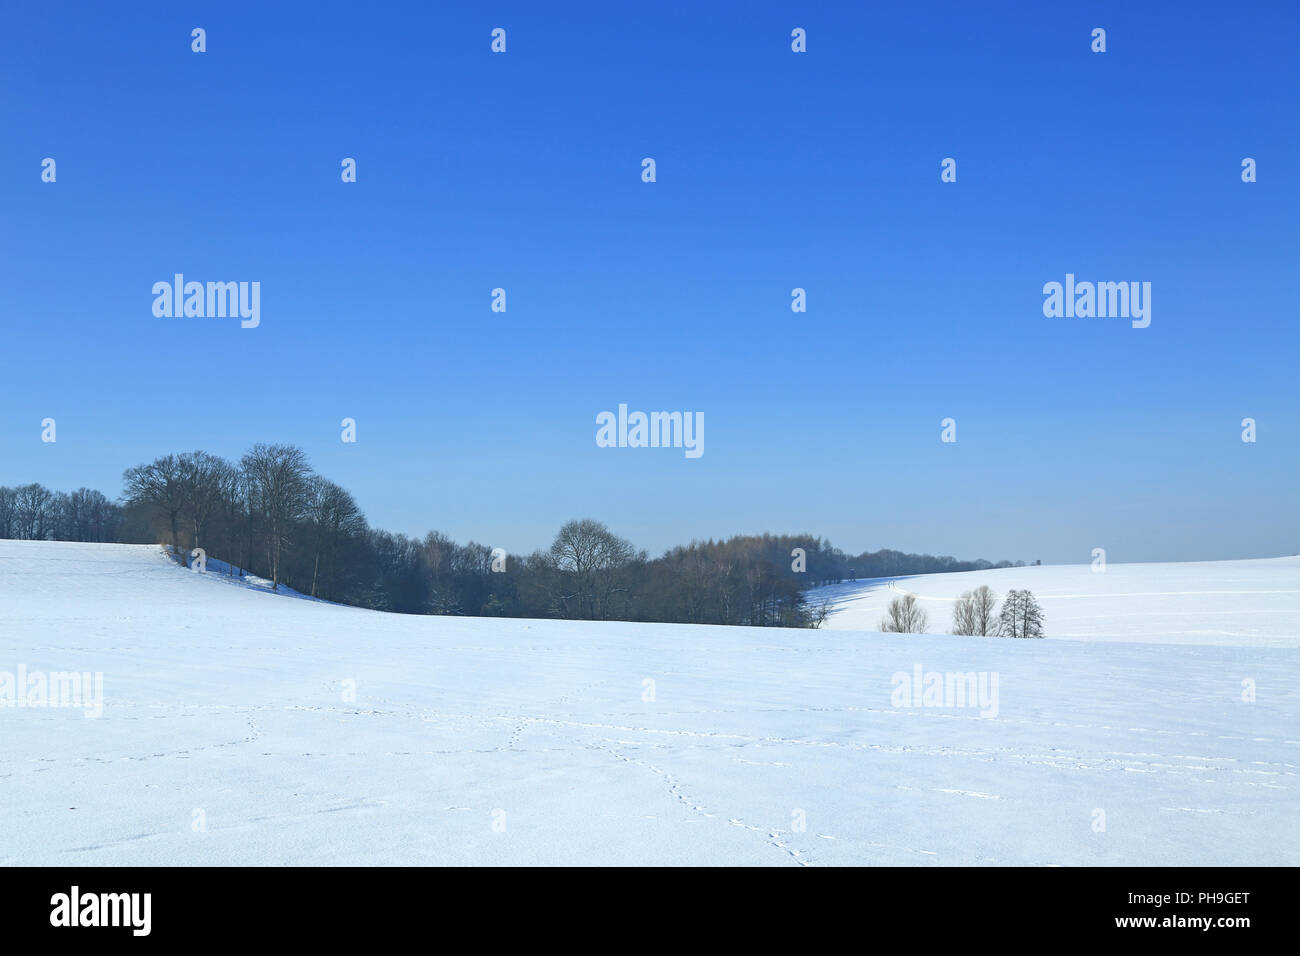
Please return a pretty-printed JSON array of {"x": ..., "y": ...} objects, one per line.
[
  {"x": 333, "y": 518},
  {"x": 277, "y": 479},
  {"x": 591, "y": 560},
  {"x": 234, "y": 518},
  {"x": 975, "y": 612},
  {"x": 203, "y": 479},
  {"x": 1021, "y": 616},
  {"x": 83, "y": 515},
  {"x": 819, "y": 612},
  {"x": 33, "y": 512},
  {"x": 159, "y": 486},
  {"x": 8, "y": 513},
  {"x": 904, "y": 616},
  {"x": 438, "y": 553}
]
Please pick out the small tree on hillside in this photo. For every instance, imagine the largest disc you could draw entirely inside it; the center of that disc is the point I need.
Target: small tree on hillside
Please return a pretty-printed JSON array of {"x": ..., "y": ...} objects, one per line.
[
  {"x": 1021, "y": 616},
  {"x": 819, "y": 613},
  {"x": 904, "y": 616}
]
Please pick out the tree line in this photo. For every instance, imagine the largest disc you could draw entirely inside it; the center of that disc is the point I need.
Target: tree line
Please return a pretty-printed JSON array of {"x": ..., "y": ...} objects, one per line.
[
  {"x": 270, "y": 514},
  {"x": 34, "y": 513}
]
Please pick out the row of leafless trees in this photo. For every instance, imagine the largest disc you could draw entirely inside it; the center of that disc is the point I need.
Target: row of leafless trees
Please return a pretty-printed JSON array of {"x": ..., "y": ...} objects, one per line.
[
  {"x": 976, "y": 612},
  {"x": 747, "y": 579},
  {"x": 33, "y": 512},
  {"x": 270, "y": 514},
  {"x": 254, "y": 513},
  {"x": 589, "y": 572}
]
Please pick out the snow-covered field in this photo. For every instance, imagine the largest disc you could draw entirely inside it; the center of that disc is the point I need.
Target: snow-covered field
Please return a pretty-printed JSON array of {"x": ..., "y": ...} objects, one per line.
[
  {"x": 1244, "y": 603},
  {"x": 229, "y": 734}
]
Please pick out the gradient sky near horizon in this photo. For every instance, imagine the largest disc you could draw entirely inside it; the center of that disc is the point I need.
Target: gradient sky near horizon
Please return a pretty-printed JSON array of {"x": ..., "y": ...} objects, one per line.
[{"x": 775, "y": 170}]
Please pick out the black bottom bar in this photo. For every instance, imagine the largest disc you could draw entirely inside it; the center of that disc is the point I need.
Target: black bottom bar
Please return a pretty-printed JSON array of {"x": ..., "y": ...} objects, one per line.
[{"x": 337, "y": 906}]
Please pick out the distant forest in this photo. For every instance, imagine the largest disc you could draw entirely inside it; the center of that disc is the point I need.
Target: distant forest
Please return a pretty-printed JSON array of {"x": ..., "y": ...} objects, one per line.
[{"x": 272, "y": 515}]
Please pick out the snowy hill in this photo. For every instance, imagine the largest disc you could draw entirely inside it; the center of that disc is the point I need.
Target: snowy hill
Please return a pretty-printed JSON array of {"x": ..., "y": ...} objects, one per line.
[
  {"x": 229, "y": 734},
  {"x": 1243, "y": 603}
]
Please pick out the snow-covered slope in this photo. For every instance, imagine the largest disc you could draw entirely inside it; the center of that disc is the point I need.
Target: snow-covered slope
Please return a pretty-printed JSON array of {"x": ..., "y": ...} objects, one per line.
[
  {"x": 228, "y": 736},
  {"x": 1255, "y": 603}
]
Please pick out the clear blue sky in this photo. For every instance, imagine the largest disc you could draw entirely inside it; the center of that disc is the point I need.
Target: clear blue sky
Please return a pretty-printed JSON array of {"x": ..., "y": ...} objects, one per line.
[{"x": 775, "y": 170}]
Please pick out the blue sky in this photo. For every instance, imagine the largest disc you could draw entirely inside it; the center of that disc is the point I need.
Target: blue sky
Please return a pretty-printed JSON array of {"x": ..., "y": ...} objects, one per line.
[{"x": 775, "y": 170}]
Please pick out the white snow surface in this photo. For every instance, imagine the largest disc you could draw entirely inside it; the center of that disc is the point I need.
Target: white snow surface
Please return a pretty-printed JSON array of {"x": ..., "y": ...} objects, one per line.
[
  {"x": 491, "y": 741},
  {"x": 1244, "y": 603}
]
